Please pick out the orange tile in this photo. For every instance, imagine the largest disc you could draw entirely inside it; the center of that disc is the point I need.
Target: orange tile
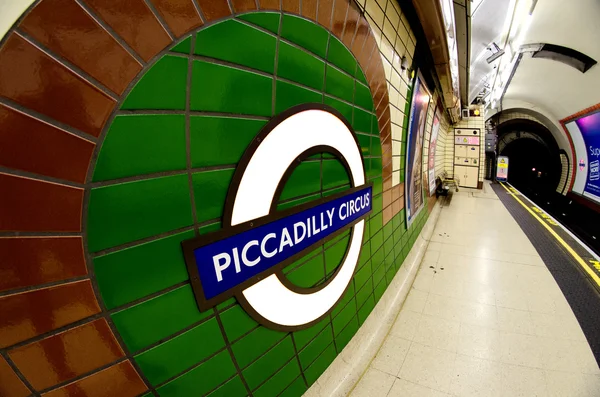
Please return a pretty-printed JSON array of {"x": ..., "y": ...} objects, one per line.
[
  {"x": 324, "y": 12},
  {"x": 38, "y": 147},
  {"x": 397, "y": 206},
  {"x": 64, "y": 356},
  {"x": 10, "y": 384},
  {"x": 269, "y": 4},
  {"x": 135, "y": 23},
  {"x": 387, "y": 214},
  {"x": 369, "y": 51},
  {"x": 292, "y": 6},
  {"x": 32, "y": 205},
  {"x": 309, "y": 9},
  {"x": 361, "y": 35},
  {"x": 397, "y": 191},
  {"x": 120, "y": 380},
  {"x": 214, "y": 9},
  {"x": 30, "y": 261},
  {"x": 73, "y": 34},
  {"x": 34, "y": 80},
  {"x": 339, "y": 17},
  {"x": 180, "y": 15},
  {"x": 243, "y": 5},
  {"x": 387, "y": 183},
  {"x": 28, "y": 314},
  {"x": 351, "y": 22}
]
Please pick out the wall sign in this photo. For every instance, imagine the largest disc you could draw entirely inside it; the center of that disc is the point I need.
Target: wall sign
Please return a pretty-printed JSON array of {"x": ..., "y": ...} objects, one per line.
[
  {"x": 502, "y": 169},
  {"x": 245, "y": 259}
]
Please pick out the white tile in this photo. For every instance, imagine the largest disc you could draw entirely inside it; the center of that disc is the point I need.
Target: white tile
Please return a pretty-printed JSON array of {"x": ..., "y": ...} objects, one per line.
[
  {"x": 375, "y": 12},
  {"x": 515, "y": 321},
  {"x": 406, "y": 324},
  {"x": 402, "y": 388},
  {"x": 433, "y": 246},
  {"x": 517, "y": 349},
  {"x": 396, "y": 148},
  {"x": 395, "y": 163},
  {"x": 391, "y": 355},
  {"x": 556, "y": 326},
  {"x": 415, "y": 301},
  {"x": 437, "y": 332},
  {"x": 428, "y": 367},
  {"x": 476, "y": 377},
  {"x": 396, "y": 132},
  {"x": 373, "y": 383},
  {"x": 424, "y": 280},
  {"x": 395, "y": 178},
  {"x": 562, "y": 384},
  {"x": 523, "y": 381},
  {"x": 479, "y": 342}
]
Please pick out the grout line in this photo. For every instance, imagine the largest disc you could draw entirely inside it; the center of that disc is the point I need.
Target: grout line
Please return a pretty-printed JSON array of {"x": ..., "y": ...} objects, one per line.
[
  {"x": 40, "y": 177},
  {"x": 200, "y": 14},
  {"x": 37, "y": 287},
  {"x": 191, "y": 112},
  {"x": 275, "y": 65},
  {"x": 19, "y": 374},
  {"x": 188, "y": 145},
  {"x": 160, "y": 20},
  {"x": 187, "y": 370}
]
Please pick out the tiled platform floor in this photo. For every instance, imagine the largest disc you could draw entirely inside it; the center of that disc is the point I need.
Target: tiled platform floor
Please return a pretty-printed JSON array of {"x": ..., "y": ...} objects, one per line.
[{"x": 484, "y": 317}]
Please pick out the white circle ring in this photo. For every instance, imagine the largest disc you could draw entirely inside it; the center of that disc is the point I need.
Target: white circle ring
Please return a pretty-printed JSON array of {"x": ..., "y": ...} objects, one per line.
[{"x": 280, "y": 148}]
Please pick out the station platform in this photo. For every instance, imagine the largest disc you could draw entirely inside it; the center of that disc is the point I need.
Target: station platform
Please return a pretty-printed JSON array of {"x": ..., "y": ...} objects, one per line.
[{"x": 499, "y": 307}]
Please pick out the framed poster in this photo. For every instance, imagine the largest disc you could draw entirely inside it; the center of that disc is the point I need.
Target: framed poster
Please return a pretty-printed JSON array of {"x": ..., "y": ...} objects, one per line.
[
  {"x": 414, "y": 152},
  {"x": 431, "y": 156}
]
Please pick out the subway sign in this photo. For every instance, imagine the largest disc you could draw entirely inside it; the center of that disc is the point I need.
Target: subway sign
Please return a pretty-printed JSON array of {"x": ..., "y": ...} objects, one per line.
[{"x": 245, "y": 259}]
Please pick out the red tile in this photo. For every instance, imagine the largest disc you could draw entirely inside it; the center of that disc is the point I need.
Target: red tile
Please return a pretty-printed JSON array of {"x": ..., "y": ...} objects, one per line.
[
  {"x": 397, "y": 191},
  {"x": 68, "y": 354},
  {"x": 339, "y": 17},
  {"x": 397, "y": 206},
  {"x": 10, "y": 384},
  {"x": 361, "y": 34},
  {"x": 214, "y": 9},
  {"x": 387, "y": 183},
  {"x": 28, "y": 314},
  {"x": 73, "y": 34},
  {"x": 243, "y": 5},
  {"x": 180, "y": 15},
  {"x": 32, "y": 205},
  {"x": 324, "y": 13},
  {"x": 269, "y": 4},
  {"x": 309, "y": 9},
  {"x": 292, "y": 6},
  {"x": 387, "y": 214},
  {"x": 33, "y": 79},
  {"x": 369, "y": 50},
  {"x": 351, "y": 22},
  {"x": 35, "y": 146},
  {"x": 120, "y": 380},
  {"x": 387, "y": 198},
  {"x": 135, "y": 23},
  {"x": 30, "y": 261}
]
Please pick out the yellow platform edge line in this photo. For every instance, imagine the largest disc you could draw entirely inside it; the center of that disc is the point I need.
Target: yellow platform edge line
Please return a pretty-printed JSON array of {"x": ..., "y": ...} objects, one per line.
[{"x": 574, "y": 254}]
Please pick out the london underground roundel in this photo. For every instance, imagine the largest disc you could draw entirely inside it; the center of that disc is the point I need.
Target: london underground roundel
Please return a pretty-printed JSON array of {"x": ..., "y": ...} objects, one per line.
[{"x": 245, "y": 259}]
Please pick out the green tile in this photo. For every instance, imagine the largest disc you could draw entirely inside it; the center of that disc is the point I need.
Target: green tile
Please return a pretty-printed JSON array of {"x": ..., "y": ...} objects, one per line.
[
  {"x": 178, "y": 354},
  {"x": 341, "y": 304},
  {"x": 184, "y": 47},
  {"x": 340, "y": 56},
  {"x": 308, "y": 274},
  {"x": 233, "y": 388},
  {"x": 364, "y": 141},
  {"x": 220, "y": 88},
  {"x": 379, "y": 290},
  {"x": 251, "y": 346},
  {"x": 300, "y": 66},
  {"x": 313, "y": 372},
  {"x": 294, "y": 203},
  {"x": 344, "y": 317},
  {"x": 201, "y": 379},
  {"x": 377, "y": 184},
  {"x": 257, "y": 52},
  {"x": 288, "y": 95},
  {"x": 336, "y": 190},
  {"x": 305, "y": 258},
  {"x": 335, "y": 254},
  {"x": 218, "y": 140},
  {"x": 376, "y": 221},
  {"x": 157, "y": 318},
  {"x": 363, "y": 97},
  {"x": 269, "y": 363},
  {"x": 347, "y": 333},
  {"x": 305, "y": 33},
  {"x": 339, "y": 85},
  {"x": 303, "y": 337},
  {"x": 305, "y": 179},
  {"x": 376, "y": 163},
  {"x": 342, "y": 107},
  {"x": 365, "y": 253},
  {"x": 376, "y": 242},
  {"x": 236, "y": 322},
  {"x": 361, "y": 277},
  {"x": 334, "y": 174},
  {"x": 362, "y": 122},
  {"x": 296, "y": 389},
  {"x": 267, "y": 20},
  {"x": 142, "y": 144},
  {"x": 131, "y": 211},
  {"x": 280, "y": 381},
  {"x": 366, "y": 309},
  {"x": 161, "y": 87},
  {"x": 387, "y": 230},
  {"x": 315, "y": 347},
  {"x": 126, "y": 275},
  {"x": 360, "y": 75},
  {"x": 210, "y": 190},
  {"x": 363, "y": 294}
]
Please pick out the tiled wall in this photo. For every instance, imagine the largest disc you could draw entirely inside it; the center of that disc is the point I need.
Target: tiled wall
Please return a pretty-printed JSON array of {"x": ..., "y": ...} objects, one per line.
[
  {"x": 471, "y": 122},
  {"x": 124, "y": 122}
]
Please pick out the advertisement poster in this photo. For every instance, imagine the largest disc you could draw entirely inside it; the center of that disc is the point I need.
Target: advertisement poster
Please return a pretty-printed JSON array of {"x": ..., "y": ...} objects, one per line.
[
  {"x": 414, "y": 152},
  {"x": 431, "y": 158},
  {"x": 502, "y": 169},
  {"x": 590, "y": 130}
]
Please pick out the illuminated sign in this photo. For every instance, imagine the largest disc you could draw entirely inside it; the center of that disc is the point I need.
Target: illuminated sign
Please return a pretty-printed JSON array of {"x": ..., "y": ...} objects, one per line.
[
  {"x": 502, "y": 169},
  {"x": 245, "y": 259}
]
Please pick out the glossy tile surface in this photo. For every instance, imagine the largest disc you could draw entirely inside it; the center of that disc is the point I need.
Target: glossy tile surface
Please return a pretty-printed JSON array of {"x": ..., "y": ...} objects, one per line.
[
  {"x": 118, "y": 380},
  {"x": 29, "y": 261},
  {"x": 42, "y": 149},
  {"x": 135, "y": 23},
  {"x": 81, "y": 42},
  {"x": 243, "y": 5},
  {"x": 10, "y": 384},
  {"x": 68, "y": 354},
  {"x": 484, "y": 317},
  {"x": 214, "y": 9},
  {"x": 27, "y": 314},
  {"x": 180, "y": 15},
  {"x": 33, "y": 79}
]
